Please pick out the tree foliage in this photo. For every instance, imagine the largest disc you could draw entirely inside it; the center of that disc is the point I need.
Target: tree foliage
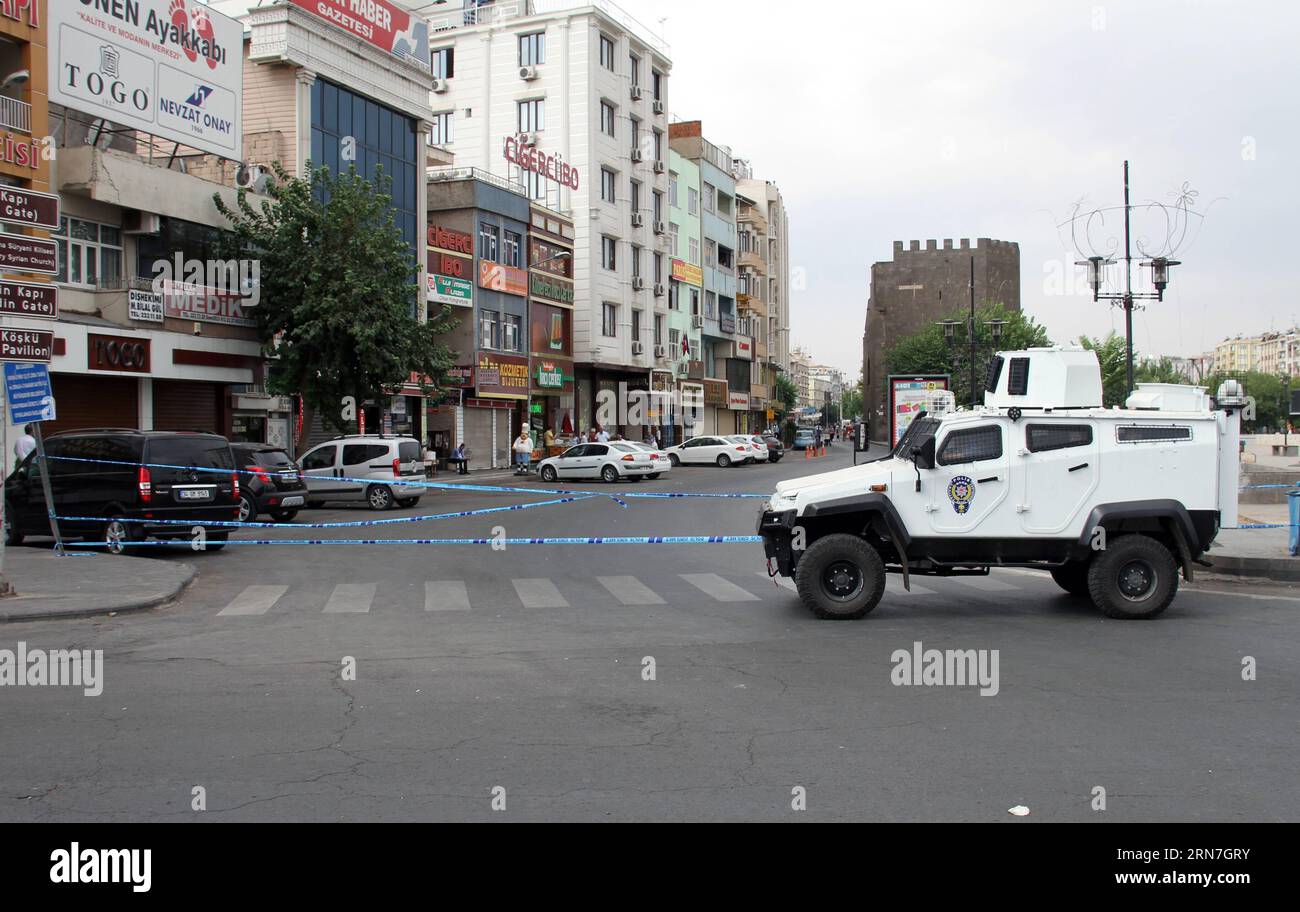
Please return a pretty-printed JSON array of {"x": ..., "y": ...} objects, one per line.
[
  {"x": 337, "y": 299},
  {"x": 932, "y": 352},
  {"x": 787, "y": 394}
]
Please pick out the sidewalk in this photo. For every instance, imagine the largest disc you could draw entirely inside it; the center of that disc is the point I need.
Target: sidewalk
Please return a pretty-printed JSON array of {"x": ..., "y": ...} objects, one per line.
[
  {"x": 86, "y": 585},
  {"x": 1259, "y": 553}
]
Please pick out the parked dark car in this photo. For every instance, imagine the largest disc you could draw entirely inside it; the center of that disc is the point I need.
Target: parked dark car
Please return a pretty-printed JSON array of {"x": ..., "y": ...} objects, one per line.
[
  {"x": 774, "y": 449},
  {"x": 112, "y": 477},
  {"x": 269, "y": 482}
]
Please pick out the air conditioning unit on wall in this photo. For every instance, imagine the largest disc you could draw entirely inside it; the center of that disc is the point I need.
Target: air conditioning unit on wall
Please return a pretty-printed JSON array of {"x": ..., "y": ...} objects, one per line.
[{"x": 528, "y": 73}]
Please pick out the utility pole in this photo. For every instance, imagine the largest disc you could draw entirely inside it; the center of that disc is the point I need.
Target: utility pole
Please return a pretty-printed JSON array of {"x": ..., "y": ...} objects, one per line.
[
  {"x": 1128, "y": 287},
  {"x": 970, "y": 332}
]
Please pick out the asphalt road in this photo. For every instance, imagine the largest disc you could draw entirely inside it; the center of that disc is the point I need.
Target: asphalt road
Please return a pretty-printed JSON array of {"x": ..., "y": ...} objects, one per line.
[{"x": 524, "y": 669}]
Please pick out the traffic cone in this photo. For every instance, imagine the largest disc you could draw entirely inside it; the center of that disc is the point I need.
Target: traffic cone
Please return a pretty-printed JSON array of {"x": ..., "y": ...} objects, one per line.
[{"x": 806, "y": 454}]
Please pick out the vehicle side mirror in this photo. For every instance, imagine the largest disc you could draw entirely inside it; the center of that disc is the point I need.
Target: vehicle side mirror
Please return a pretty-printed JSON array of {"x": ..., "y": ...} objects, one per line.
[{"x": 923, "y": 455}]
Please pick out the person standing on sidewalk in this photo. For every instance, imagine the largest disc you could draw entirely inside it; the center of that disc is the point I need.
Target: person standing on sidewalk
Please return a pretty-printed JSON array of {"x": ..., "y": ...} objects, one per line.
[
  {"x": 523, "y": 451},
  {"x": 24, "y": 445}
]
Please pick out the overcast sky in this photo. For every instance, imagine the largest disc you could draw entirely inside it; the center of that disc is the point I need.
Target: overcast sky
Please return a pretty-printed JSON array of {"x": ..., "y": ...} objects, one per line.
[{"x": 900, "y": 121}]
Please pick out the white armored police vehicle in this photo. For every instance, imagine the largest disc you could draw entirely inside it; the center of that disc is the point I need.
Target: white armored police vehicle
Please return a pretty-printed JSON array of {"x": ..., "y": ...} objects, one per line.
[{"x": 1114, "y": 503}]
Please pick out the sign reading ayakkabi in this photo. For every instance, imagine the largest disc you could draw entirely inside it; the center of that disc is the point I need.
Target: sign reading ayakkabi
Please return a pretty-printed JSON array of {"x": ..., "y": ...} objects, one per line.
[{"x": 172, "y": 68}]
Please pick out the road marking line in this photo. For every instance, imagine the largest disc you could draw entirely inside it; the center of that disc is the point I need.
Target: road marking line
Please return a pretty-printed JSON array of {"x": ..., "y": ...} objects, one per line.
[
  {"x": 894, "y": 586},
  {"x": 629, "y": 590},
  {"x": 446, "y": 595},
  {"x": 783, "y": 581},
  {"x": 1245, "y": 595},
  {"x": 984, "y": 584},
  {"x": 351, "y": 598},
  {"x": 720, "y": 589},
  {"x": 253, "y": 601},
  {"x": 539, "y": 593}
]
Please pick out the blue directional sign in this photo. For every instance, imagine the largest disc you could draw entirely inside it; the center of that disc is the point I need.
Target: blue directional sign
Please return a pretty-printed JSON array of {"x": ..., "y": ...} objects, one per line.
[{"x": 28, "y": 393}]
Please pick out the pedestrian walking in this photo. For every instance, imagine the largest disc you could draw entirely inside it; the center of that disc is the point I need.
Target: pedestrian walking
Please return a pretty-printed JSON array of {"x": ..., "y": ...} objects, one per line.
[{"x": 24, "y": 445}]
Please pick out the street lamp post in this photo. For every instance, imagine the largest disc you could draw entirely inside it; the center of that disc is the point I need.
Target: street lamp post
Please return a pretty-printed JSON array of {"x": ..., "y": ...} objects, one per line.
[{"x": 1159, "y": 266}]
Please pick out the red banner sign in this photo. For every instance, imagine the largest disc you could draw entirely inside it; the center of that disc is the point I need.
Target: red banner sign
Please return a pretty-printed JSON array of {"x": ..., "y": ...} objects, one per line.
[
  {"x": 500, "y": 277},
  {"x": 378, "y": 22},
  {"x": 118, "y": 353}
]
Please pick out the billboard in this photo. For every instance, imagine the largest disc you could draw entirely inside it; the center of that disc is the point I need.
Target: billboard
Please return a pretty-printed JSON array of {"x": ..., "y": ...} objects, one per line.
[
  {"x": 380, "y": 23},
  {"x": 171, "y": 68},
  {"x": 907, "y": 400}
]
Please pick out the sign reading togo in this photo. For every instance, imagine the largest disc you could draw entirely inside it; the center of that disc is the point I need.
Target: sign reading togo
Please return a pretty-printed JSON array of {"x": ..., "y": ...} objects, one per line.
[
  {"x": 172, "y": 68},
  {"x": 118, "y": 353}
]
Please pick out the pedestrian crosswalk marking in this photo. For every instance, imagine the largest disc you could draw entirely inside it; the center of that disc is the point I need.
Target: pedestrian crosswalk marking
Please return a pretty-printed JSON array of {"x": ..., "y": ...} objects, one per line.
[
  {"x": 539, "y": 593},
  {"x": 713, "y": 585},
  {"x": 985, "y": 584},
  {"x": 783, "y": 581},
  {"x": 894, "y": 586},
  {"x": 447, "y": 595},
  {"x": 351, "y": 598},
  {"x": 253, "y": 601},
  {"x": 629, "y": 590}
]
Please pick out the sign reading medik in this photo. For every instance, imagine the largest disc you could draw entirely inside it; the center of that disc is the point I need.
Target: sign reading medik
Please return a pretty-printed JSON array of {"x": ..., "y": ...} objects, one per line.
[{"x": 172, "y": 68}]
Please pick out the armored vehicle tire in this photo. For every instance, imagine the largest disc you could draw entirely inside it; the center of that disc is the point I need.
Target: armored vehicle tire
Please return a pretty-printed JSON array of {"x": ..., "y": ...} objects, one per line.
[
  {"x": 840, "y": 578},
  {"x": 1073, "y": 578},
  {"x": 1135, "y": 578}
]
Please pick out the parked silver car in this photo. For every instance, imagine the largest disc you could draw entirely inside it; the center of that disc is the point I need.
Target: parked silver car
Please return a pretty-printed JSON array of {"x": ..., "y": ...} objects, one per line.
[{"x": 382, "y": 471}]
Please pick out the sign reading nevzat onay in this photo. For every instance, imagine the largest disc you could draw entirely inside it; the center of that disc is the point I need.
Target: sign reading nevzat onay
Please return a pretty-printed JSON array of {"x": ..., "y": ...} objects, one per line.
[{"x": 171, "y": 68}]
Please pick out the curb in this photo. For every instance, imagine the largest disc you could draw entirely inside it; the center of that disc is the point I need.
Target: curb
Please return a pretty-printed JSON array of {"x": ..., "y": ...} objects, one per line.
[
  {"x": 1278, "y": 569},
  {"x": 129, "y": 606}
]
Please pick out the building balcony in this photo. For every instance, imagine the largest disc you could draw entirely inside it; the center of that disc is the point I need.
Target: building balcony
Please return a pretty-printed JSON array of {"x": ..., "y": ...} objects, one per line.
[
  {"x": 760, "y": 351},
  {"x": 756, "y": 306},
  {"x": 752, "y": 217},
  {"x": 502, "y": 14},
  {"x": 15, "y": 115},
  {"x": 759, "y": 391},
  {"x": 751, "y": 259}
]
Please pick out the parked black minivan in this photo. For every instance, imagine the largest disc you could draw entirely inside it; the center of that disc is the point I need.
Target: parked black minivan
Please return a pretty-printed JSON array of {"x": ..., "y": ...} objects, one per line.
[{"x": 111, "y": 475}]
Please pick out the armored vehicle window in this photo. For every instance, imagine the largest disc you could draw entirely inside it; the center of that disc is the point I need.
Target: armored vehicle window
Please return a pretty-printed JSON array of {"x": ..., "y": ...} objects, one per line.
[
  {"x": 1039, "y": 438},
  {"x": 1018, "y": 381},
  {"x": 994, "y": 374},
  {"x": 971, "y": 445},
  {"x": 918, "y": 430},
  {"x": 1145, "y": 433}
]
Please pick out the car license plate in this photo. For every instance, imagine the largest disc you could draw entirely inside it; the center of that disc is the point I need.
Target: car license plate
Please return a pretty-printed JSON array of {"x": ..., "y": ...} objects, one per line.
[
  {"x": 291, "y": 502},
  {"x": 194, "y": 494},
  {"x": 289, "y": 477}
]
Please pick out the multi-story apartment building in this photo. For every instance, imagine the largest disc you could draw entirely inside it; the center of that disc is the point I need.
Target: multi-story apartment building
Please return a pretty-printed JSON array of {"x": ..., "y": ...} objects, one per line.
[
  {"x": 763, "y": 285},
  {"x": 686, "y": 288},
  {"x": 826, "y": 385},
  {"x": 728, "y": 352},
  {"x": 572, "y": 102},
  {"x": 1237, "y": 355},
  {"x": 801, "y": 375}
]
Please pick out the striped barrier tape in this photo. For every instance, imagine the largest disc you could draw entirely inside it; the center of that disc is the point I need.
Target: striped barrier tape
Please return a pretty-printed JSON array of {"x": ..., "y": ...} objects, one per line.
[
  {"x": 423, "y": 485},
  {"x": 358, "y": 524},
  {"x": 513, "y": 542}
]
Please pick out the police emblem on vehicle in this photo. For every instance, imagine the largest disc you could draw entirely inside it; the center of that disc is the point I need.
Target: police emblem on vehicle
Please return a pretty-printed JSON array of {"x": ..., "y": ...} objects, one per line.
[{"x": 961, "y": 491}]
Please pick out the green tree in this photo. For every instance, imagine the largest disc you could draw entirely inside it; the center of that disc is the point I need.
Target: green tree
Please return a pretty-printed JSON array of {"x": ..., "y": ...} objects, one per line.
[
  {"x": 1159, "y": 371},
  {"x": 851, "y": 404},
  {"x": 337, "y": 302},
  {"x": 931, "y": 352},
  {"x": 787, "y": 394}
]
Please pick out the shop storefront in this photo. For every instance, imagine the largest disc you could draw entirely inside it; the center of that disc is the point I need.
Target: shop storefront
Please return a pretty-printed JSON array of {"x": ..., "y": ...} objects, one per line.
[{"x": 497, "y": 409}]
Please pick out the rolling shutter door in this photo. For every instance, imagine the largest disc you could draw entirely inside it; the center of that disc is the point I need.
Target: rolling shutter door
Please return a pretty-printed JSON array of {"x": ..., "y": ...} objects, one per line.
[
  {"x": 83, "y": 401},
  {"x": 185, "y": 405}
]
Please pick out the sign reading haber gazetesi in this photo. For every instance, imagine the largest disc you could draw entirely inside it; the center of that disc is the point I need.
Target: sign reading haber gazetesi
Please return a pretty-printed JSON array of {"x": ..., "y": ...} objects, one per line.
[
  {"x": 380, "y": 23},
  {"x": 170, "y": 68}
]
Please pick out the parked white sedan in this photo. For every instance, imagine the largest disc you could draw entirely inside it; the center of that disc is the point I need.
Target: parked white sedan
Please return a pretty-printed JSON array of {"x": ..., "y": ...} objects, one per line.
[
  {"x": 658, "y": 457},
  {"x": 710, "y": 451},
  {"x": 606, "y": 461},
  {"x": 756, "y": 454}
]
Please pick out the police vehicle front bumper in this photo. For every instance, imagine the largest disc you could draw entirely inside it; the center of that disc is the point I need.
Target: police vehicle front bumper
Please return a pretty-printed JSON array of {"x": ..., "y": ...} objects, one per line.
[{"x": 777, "y": 530}]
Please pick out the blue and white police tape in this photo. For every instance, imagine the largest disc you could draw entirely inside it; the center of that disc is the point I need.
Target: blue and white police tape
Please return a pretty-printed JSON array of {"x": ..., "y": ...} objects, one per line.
[
  {"x": 197, "y": 544},
  {"x": 423, "y": 485},
  {"x": 358, "y": 524}
]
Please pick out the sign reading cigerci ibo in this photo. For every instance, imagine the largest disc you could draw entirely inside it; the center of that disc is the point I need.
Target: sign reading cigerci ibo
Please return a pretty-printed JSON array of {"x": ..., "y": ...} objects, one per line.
[{"x": 28, "y": 393}]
